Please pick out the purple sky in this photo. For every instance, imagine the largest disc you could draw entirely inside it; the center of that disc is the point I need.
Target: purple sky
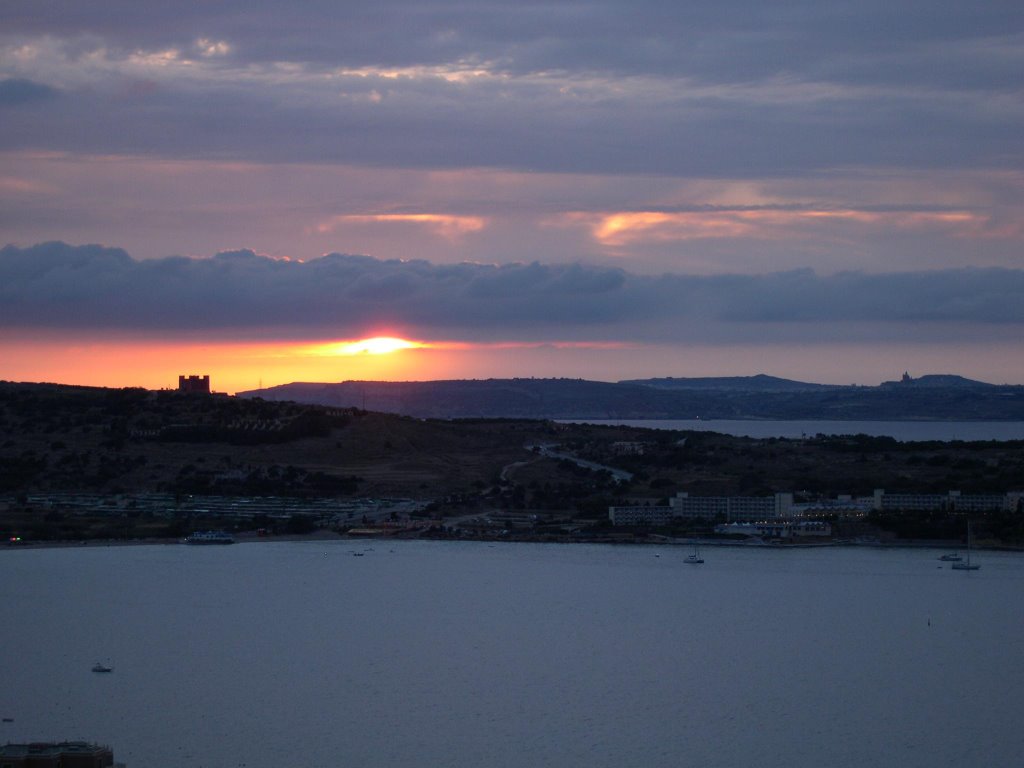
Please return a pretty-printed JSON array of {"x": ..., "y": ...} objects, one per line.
[{"x": 825, "y": 190}]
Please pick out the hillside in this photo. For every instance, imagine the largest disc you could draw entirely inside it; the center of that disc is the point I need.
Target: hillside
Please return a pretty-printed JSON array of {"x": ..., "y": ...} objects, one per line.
[
  {"x": 60, "y": 438},
  {"x": 81, "y": 462}
]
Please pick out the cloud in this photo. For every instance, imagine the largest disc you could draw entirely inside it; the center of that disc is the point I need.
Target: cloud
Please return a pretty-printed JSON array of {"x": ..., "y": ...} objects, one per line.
[
  {"x": 240, "y": 293},
  {"x": 155, "y": 207},
  {"x": 722, "y": 89},
  {"x": 15, "y": 91},
  {"x": 446, "y": 225},
  {"x": 768, "y": 223},
  {"x": 734, "y": 41}
]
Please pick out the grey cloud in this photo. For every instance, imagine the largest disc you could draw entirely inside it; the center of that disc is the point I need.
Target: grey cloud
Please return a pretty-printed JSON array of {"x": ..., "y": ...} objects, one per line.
[
  {"x": 741, "y": 39},
  {"x": 15, "y": 91},
  {"x": 699, "y": 88},
  {"x": 524, "y": 125},
  {"x": 240, "y": 293}
]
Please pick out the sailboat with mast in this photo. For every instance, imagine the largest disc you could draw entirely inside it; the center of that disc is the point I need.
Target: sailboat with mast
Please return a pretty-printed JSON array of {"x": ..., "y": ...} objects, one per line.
[{"x": 966, "y": 565}]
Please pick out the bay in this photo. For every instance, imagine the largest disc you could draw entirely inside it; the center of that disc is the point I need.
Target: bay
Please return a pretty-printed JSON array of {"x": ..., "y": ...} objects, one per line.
[
  {"x": 469, "y": 654},
  {"x": 904, "y": 431}
]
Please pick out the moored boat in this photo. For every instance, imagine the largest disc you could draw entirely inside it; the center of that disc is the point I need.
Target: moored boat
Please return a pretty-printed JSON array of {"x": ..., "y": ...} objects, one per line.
[{"x": 967, "y": 565}]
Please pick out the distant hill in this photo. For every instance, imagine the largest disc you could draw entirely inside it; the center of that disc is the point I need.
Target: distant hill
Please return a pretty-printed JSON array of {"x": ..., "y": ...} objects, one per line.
[
  {"x": 759, "y": 383},
  {"x": 756, "y": 397},
  {"x": 938, "y": 380},
  {"x": 62, "y": 439}
]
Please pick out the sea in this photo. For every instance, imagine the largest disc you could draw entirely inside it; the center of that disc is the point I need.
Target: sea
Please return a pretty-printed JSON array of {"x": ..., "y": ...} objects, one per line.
[
  {"x": 904, "y": 431},
  {"x": 468, "y": 654}
]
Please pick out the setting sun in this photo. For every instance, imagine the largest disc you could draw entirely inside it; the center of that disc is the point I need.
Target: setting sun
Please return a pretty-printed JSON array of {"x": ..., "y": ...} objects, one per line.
[{"x": 378, "y": 345}]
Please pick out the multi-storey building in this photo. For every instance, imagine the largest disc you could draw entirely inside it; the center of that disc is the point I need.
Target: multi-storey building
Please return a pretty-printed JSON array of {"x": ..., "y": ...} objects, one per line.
[
  {"x": 682, "y": 505},
  {"x": 733, "y": 508},
  {"x": 640, "y": 515},
  {"x": 953, "y": 501}
]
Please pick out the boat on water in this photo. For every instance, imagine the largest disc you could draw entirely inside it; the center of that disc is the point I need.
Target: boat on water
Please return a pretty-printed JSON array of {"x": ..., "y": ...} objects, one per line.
[
  {"x": 97, "y": 667},
  {"x": 952, "y": 557},
  {"x": 966, "y": 565},
  {"x": 694, "y": 557},
  {"x": 210, "y": 537}
]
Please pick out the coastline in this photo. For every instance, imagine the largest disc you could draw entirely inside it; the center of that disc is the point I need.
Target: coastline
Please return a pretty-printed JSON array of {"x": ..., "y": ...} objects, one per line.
[
  {"x": 243, "y": 538},
  {"x": 328, "y": 535}
]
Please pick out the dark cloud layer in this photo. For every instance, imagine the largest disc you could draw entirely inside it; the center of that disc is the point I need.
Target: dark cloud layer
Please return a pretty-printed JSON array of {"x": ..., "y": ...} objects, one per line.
[
  {"x": 711, "y": 39},
  {"x": 708, "y": 88},
  {"x": 55, "y": 285}
]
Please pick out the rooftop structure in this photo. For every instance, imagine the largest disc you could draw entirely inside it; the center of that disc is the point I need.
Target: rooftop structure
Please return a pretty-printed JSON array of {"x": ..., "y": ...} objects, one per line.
[{"x": 194, "y": 384}]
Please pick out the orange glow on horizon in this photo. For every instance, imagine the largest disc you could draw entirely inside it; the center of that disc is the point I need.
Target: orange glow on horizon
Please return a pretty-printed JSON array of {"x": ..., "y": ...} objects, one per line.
[
  {"x": 234, "y": 367},
  {"x": 241, "y": 366}
]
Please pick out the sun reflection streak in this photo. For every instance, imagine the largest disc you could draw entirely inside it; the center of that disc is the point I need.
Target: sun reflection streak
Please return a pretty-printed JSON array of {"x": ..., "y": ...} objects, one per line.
[
  {"x": 383, "y": 345},
  {"x": 377, "y": 345}
]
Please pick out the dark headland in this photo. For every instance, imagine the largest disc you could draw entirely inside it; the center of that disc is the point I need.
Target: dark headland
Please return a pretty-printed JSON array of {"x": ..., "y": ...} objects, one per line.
[{"x": 933, "y": 397}]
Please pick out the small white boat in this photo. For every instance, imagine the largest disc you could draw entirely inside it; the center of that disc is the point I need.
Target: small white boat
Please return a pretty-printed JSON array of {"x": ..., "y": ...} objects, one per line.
[
  {"x": 694, "y": 558},
  {"x": 97, "y": 667},
  {"x": 967, "y": 566}
]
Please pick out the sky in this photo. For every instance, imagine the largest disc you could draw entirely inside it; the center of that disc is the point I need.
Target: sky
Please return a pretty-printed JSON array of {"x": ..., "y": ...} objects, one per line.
[{"x": 830, "y": 191}]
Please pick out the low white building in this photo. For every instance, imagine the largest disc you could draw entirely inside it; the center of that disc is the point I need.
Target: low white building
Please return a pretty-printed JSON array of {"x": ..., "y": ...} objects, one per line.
[{"x": 782, "y": 529}]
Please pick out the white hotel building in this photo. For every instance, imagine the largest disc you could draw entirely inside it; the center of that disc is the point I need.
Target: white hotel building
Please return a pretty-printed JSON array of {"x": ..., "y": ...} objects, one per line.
[
  {"x": 728, "y": 508},
  {"x": 954, "y": 501}
]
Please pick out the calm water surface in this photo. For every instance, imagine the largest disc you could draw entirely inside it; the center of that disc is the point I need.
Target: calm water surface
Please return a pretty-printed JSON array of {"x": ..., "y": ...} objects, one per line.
[
  {"x": 468, "y": 654},
  {"x": 903, "y": 431}
]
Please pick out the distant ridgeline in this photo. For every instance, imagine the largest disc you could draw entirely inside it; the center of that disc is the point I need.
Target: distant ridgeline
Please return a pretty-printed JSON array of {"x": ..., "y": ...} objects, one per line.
[{"x": 936, "y": 397}]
